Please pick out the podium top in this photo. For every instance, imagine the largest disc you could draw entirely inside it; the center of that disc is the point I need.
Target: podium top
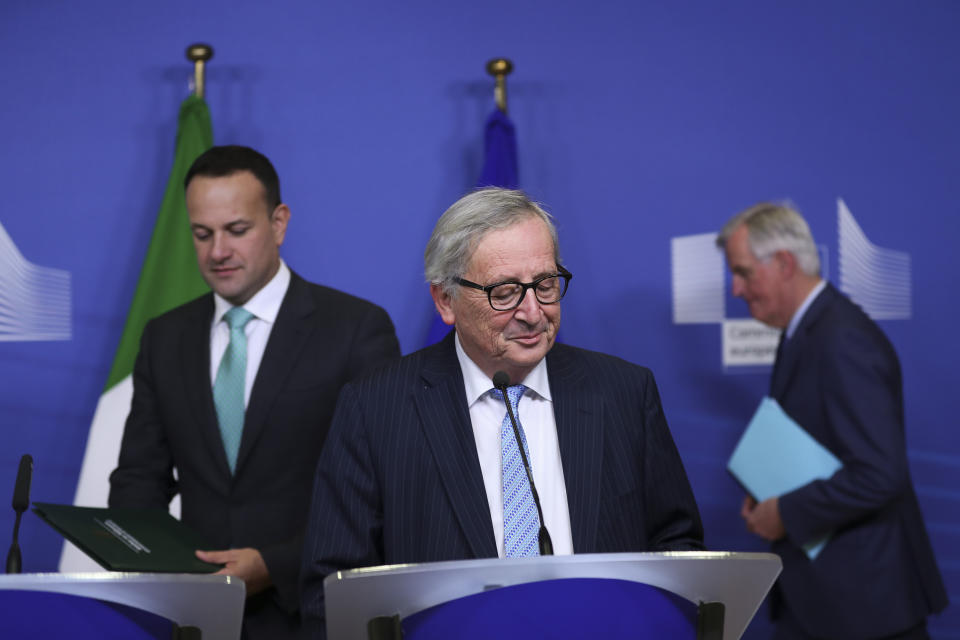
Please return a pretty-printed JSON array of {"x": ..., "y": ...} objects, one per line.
[
  {"x": 214, "y": 603},
  {"x": 739, "y": 580}
]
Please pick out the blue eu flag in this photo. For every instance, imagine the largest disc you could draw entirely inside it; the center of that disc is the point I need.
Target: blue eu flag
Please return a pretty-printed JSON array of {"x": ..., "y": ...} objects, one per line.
[
  {"x": 499, "y": 170},
  {"x": 500, "y": 153}
]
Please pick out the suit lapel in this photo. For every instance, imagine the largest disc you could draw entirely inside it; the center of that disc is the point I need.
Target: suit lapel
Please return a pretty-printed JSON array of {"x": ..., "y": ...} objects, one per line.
[
  {"x": 579, "y": 416},
  {"x": 778, "y": 364},
  {"x": 289, "y": 332},
  {"x": 195, "y": 356},
  {"x": 789, "y": 356},
  {"x": 442, "y": 406}
]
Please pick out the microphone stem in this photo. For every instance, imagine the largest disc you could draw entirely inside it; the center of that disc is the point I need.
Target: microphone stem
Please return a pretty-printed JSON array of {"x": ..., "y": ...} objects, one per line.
[{"x": 13, "y": 556}]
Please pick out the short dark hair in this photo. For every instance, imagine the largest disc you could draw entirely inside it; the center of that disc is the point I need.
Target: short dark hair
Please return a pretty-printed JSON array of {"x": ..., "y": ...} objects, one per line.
[{"x": 220, "y": 162}]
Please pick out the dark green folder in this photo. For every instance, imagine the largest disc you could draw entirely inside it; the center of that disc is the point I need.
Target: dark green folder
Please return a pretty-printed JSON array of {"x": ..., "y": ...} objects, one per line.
[{"x": 146, "y": 540}]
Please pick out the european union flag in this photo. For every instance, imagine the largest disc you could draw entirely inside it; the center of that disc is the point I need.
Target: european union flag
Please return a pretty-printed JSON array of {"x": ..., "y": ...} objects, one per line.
[
  {"x": 500, "y": 153},
  {"x": 499, "y": 170}
]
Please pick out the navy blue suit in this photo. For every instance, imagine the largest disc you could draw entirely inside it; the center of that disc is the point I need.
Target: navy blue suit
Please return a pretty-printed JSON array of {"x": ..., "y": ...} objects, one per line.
[
  {"x": 321, "y": 339},
  {"x": 839, "y": 378},
  {"x": 399, "y": 479}
]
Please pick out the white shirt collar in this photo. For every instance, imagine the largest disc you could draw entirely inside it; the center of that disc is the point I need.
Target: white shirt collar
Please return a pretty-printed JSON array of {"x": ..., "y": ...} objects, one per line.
[
  {"x": 265, "y": 304},
  {"x": 798, "y": 314},
  {"x": 477, "y": 383}
]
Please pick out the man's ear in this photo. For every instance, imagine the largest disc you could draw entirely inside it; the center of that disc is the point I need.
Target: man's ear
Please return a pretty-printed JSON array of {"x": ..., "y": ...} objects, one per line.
[
  {"x": 786, "y": 263},
  {"x": 278, "y": 223},
  {"x": 443, "y": 303}
]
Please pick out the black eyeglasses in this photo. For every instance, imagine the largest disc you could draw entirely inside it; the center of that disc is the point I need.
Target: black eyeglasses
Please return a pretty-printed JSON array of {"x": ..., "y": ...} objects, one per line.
[{"x": 504, "y": 296}]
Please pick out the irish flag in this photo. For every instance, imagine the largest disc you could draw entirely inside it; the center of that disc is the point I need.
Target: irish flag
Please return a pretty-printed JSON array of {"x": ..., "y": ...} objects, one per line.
[{"x": 169, "y": 278}]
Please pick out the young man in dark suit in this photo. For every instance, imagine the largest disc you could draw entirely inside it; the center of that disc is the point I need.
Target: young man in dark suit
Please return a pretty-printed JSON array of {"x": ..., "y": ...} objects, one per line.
[
  {"x": 838, "y": 377},
  {"x": 422, "y": 463},
  {"x": 234, "y": 391}
]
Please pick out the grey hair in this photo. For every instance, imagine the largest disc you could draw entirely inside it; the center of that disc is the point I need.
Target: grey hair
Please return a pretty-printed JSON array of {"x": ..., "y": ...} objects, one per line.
[
  {"x": 459, "y": 230},
  {"x": 775, "y": 227}
]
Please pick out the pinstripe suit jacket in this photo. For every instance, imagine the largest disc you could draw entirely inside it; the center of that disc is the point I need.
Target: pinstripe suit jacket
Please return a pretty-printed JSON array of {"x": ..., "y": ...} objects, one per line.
[{"x": 399, "y": 479}]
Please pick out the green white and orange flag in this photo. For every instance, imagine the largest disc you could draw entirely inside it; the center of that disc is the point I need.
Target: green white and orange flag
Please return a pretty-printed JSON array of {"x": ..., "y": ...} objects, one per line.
[{"x": 169, "y": 278}]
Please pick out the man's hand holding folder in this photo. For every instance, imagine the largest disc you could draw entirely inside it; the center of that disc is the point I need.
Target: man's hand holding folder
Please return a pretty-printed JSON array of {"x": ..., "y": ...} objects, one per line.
[
  {"x": 763, "y": 518},
  {"x": 246, "y": 564},
  {"x": 775, "y": 455}
]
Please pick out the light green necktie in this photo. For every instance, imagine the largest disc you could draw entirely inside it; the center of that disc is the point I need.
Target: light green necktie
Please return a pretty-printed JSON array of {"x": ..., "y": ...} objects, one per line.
[{"x": 228, "y": 388}]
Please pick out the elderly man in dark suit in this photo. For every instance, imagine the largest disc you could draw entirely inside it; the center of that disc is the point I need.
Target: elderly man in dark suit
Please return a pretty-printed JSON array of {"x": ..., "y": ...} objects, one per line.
[
  {"x": 422, "y": 463},
  {"x": 234, "y": 391},
  {"x": 838, "y": 377}
]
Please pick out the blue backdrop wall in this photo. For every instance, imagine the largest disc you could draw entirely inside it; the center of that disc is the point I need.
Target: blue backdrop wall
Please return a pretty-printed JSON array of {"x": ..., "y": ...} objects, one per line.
[{"x": 637, "y": 123}]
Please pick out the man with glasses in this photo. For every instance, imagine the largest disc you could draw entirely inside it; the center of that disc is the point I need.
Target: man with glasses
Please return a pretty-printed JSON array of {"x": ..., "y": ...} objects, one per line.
[{"x": 423, "y": 462}]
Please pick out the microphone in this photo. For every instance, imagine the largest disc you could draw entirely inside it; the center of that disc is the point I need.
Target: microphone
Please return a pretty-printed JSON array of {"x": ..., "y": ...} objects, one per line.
[
  {"x": 501, "y": 381},
  {"x": 21, "y": 501}
]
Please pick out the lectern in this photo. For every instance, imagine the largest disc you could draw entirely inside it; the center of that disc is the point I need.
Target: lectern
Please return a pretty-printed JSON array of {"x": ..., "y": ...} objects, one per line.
[
  {"x": 707, "y": 595},
  {"x": 121, "y": 604}
]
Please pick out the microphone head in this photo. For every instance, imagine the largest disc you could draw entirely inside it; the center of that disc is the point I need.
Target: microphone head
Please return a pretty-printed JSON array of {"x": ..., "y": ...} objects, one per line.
[
  {"x": 21, "y": 490},
  {"x": 501, "y": 379}
]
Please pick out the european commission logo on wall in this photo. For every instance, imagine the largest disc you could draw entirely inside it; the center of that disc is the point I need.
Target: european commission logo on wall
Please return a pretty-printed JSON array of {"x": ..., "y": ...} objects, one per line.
[
  {"x": 877, "y": 279},
  {"x": 34, "y": 300}
]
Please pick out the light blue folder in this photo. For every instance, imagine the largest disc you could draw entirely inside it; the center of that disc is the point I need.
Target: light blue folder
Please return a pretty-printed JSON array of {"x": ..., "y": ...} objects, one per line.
[{"x": 775, "y": 455}]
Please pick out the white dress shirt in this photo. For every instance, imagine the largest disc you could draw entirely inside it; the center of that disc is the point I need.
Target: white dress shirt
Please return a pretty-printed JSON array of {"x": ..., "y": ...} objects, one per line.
[
  {"x": 535, "y": 414},
  {"x": 798, "y": 314},
  {"x": 264, "y": 305}
]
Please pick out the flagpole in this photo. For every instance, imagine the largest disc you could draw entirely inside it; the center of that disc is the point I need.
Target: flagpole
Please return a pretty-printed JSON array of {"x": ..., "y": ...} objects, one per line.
[
  {"x": 500, "y": 68},
  {"x": 199, "y": 54}
]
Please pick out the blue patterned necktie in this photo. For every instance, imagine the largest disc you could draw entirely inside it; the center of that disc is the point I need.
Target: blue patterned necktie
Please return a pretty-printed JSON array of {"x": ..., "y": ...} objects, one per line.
[
  {"x": 521, "y": 525},
  {"x": 228, "y": 388}
]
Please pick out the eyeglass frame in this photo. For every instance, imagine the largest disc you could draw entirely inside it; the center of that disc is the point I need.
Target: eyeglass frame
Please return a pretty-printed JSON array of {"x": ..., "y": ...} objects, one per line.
[{"x": 488, "y": 289}]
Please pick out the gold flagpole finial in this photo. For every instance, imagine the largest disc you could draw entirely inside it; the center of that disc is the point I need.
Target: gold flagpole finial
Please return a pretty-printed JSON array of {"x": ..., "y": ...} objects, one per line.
[
  {"x": 199, "y": 54},
  {"x": 500, "y": 68}
]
